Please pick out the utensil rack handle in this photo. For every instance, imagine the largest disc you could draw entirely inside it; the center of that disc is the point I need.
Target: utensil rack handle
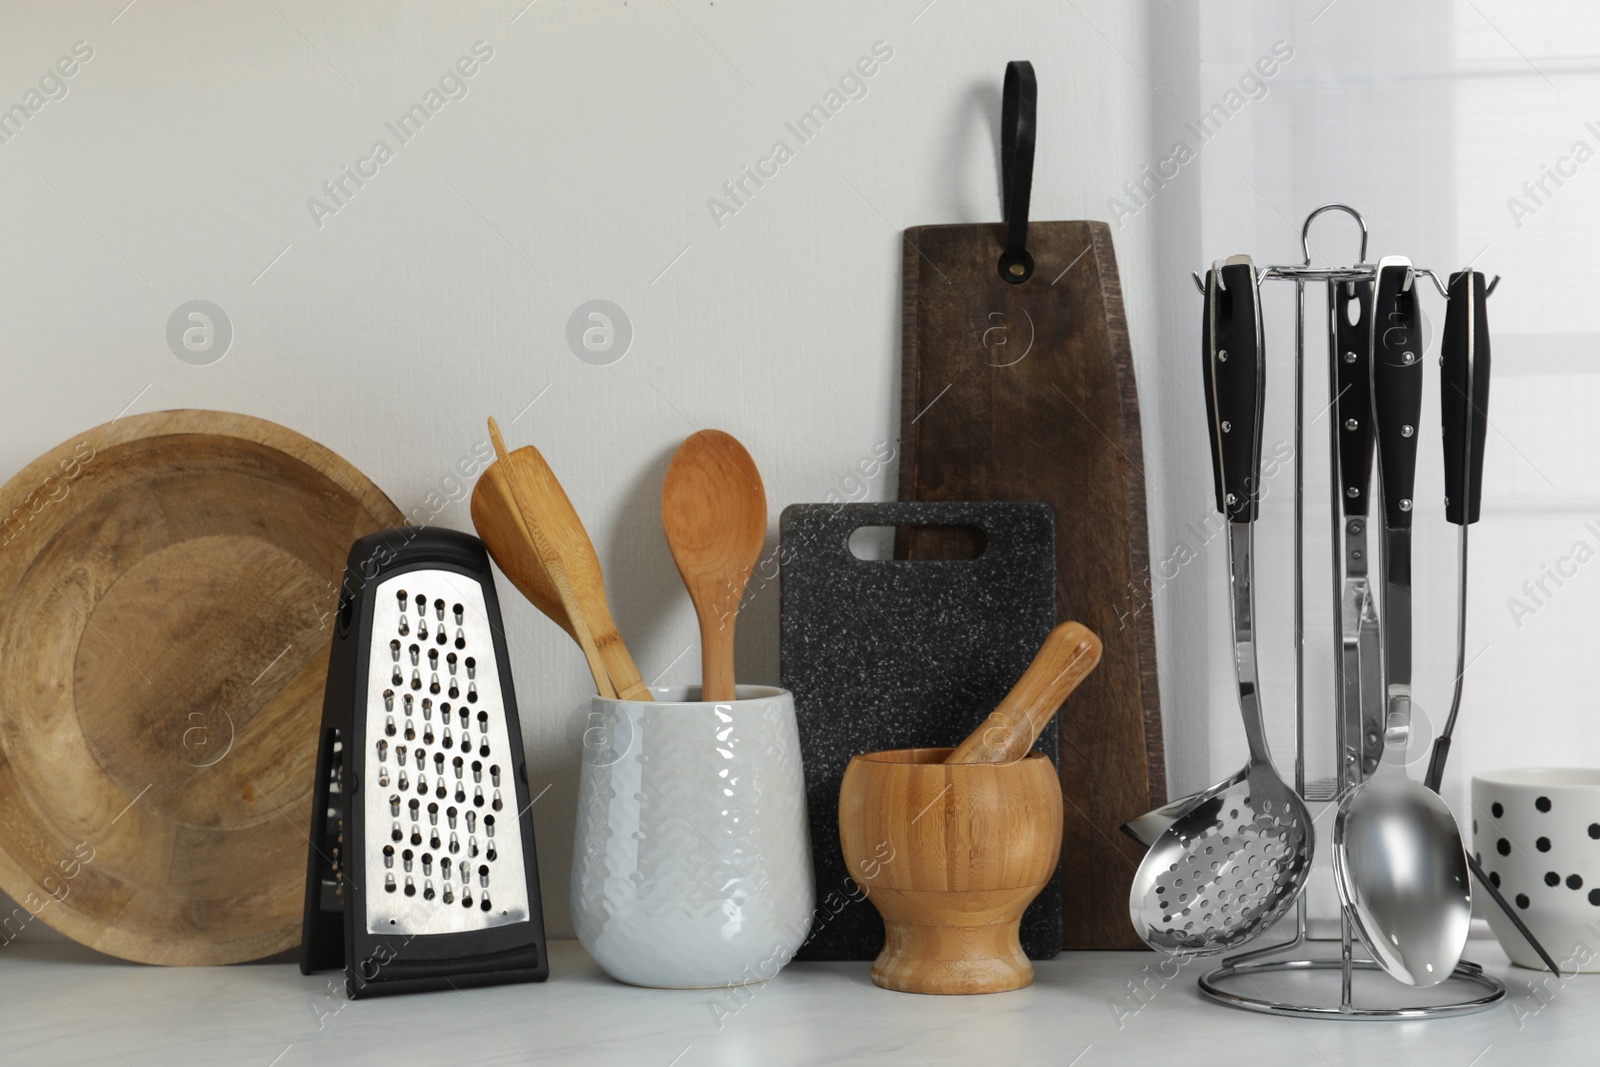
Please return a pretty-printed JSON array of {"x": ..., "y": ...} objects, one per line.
[{"x": 1259, "y": 960}]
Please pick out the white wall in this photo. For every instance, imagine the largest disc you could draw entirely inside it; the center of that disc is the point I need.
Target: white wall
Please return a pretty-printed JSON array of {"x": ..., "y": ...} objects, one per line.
[{"x": 577, "y": 166}]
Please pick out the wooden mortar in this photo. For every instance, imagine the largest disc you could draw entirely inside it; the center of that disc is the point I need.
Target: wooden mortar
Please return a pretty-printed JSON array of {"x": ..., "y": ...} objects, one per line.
[{"x": 951, "y": 855}]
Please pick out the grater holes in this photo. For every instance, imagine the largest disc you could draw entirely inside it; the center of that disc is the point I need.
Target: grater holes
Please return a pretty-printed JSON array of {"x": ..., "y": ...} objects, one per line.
[
  {"x": 494, "y": 775},
  {"x": 388, "y": 856}
]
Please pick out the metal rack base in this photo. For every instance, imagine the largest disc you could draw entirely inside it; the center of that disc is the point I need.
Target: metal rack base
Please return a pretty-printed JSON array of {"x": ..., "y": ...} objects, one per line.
[{"x": 1466, "y": 971}]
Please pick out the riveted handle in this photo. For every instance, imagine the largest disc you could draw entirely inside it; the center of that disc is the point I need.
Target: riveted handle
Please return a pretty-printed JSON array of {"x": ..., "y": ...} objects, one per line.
[
  {"x": 1396, "y": 385},
  {"x": 1353, "y": 406},
  {"x": 1234, "y": 380}
]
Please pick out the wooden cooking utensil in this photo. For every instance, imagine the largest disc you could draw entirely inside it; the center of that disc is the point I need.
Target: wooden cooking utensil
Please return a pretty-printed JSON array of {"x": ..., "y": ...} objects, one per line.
[
  {"x": 170, "y": 583},
  {"x": 502, "y": 531},
  {"x": 569, "y": 560},
  {"x": 1065, "y": 659},
  {"x": 715, "y": 513}
]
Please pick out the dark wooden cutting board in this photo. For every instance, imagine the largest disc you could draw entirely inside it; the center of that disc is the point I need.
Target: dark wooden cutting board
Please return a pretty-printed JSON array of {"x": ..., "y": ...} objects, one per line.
[
  {"x": 883, "y": 653},
  {"x": 1026, "y": 392}
]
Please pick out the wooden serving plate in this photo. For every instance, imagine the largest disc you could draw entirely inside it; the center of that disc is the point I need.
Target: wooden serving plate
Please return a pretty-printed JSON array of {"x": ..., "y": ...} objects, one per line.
[{"x": 168, "y": 584}]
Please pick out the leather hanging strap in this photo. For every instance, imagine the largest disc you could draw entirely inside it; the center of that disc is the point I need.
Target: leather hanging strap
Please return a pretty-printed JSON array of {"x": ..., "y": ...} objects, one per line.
[{"x": 1018, "y": 113}]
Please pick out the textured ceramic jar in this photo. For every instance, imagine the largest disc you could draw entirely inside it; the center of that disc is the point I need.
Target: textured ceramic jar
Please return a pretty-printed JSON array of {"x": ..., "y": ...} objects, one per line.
[
  {"x": 691, "y": 862},
  {"x": 1537, "y": 834}
]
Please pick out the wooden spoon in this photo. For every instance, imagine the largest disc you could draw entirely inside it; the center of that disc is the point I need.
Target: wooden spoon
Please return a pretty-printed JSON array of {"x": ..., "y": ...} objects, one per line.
[
  {"x": 568, "y": 558},
  {"x": 715, "y": 513},
  {"x": 1067, "y": 656}
]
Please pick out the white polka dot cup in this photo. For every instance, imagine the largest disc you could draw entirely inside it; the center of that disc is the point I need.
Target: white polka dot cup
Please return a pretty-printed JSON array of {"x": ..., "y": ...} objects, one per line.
[{"x": 1537, "y": 834}]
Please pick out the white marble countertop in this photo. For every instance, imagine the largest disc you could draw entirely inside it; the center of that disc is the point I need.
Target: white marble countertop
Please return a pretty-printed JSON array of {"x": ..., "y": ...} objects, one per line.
[{"x": 64, "y": 1005}]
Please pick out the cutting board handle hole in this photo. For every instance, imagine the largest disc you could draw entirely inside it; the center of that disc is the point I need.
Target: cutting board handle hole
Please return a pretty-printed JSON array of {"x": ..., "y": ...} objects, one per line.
[{"x": 870, "y": 543}]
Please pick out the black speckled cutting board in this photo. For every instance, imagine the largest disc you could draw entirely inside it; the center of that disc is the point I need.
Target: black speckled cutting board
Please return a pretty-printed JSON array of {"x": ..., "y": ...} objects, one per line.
[{"x": 904, "y": 654}]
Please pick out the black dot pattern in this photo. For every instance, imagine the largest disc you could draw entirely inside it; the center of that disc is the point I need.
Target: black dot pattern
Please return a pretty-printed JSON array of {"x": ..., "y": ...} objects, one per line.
[
  {"x": 1551, "y": 878},
  {"x": 1543, "y": 803},
  {"x": 1503, "y": 847},
  {"x": 1543, "y": 844},
  {"x": 1497, "y": 809},
  {"x": 1594, "y": 830},
  {"x": 1574, "y": 881},
  {"x": 1494, "y": 879},
  {"x": 1522, "y": 900}
]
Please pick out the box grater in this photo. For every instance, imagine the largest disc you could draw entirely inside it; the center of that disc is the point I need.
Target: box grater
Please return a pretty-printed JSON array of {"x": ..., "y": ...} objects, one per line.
[{"x": 422, "y": 873}]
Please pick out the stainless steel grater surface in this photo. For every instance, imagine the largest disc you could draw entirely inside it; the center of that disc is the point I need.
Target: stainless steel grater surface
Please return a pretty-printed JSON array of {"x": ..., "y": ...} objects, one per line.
[
  {"x": 439, "y": 763},
  {"x": 422, "y": 873}
]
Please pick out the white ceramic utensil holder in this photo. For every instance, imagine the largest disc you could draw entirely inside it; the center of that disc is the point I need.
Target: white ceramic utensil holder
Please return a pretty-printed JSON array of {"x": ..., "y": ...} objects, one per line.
[{"x": 692, "y": 860}]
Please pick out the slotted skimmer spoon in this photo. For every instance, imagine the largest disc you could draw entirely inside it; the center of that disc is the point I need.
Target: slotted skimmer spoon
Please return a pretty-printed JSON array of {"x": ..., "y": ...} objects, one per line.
[
  {"x": 1233, "y": 863},
  {"x": 1398, "y": 858}
]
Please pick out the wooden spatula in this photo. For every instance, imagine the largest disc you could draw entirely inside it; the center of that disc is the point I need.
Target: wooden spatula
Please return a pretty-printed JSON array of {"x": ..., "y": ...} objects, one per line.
[
  {"x": 500, "y": 527},
  {"x": 1067, "y": 656},
  {"x": 563, "y": 550},
  {"x": 715, "y": 513}
]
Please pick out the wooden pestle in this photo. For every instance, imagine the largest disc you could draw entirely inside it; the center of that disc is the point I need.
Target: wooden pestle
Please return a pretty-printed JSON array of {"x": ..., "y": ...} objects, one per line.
[{"x": 1067, "y": 656}]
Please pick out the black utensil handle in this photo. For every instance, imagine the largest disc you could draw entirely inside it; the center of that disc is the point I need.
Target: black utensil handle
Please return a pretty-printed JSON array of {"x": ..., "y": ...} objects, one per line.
[
  {"x": 1396, "y": 386},
  {"x": 1234, "y": 379},
  {"x": 1505, "y": 906},
  {"x": 1441, "y": 752},
  {"x": 1353, "y": 406},
  {"x": 1464, "y": 407}
]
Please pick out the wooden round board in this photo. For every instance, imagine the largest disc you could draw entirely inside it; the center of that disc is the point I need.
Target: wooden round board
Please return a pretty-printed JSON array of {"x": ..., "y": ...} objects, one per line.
[{"x": 168, "y": 584}]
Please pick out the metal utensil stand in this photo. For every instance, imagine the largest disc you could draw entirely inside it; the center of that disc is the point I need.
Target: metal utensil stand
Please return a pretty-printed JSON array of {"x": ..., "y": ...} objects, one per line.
[{"x": 1352, "y": 740}]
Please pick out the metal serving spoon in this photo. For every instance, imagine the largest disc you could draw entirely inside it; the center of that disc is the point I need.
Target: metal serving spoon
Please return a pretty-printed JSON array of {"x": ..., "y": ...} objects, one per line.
[
  {"x": 1398, "y": 857},
  {"x": 1233, "y": 863}
]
